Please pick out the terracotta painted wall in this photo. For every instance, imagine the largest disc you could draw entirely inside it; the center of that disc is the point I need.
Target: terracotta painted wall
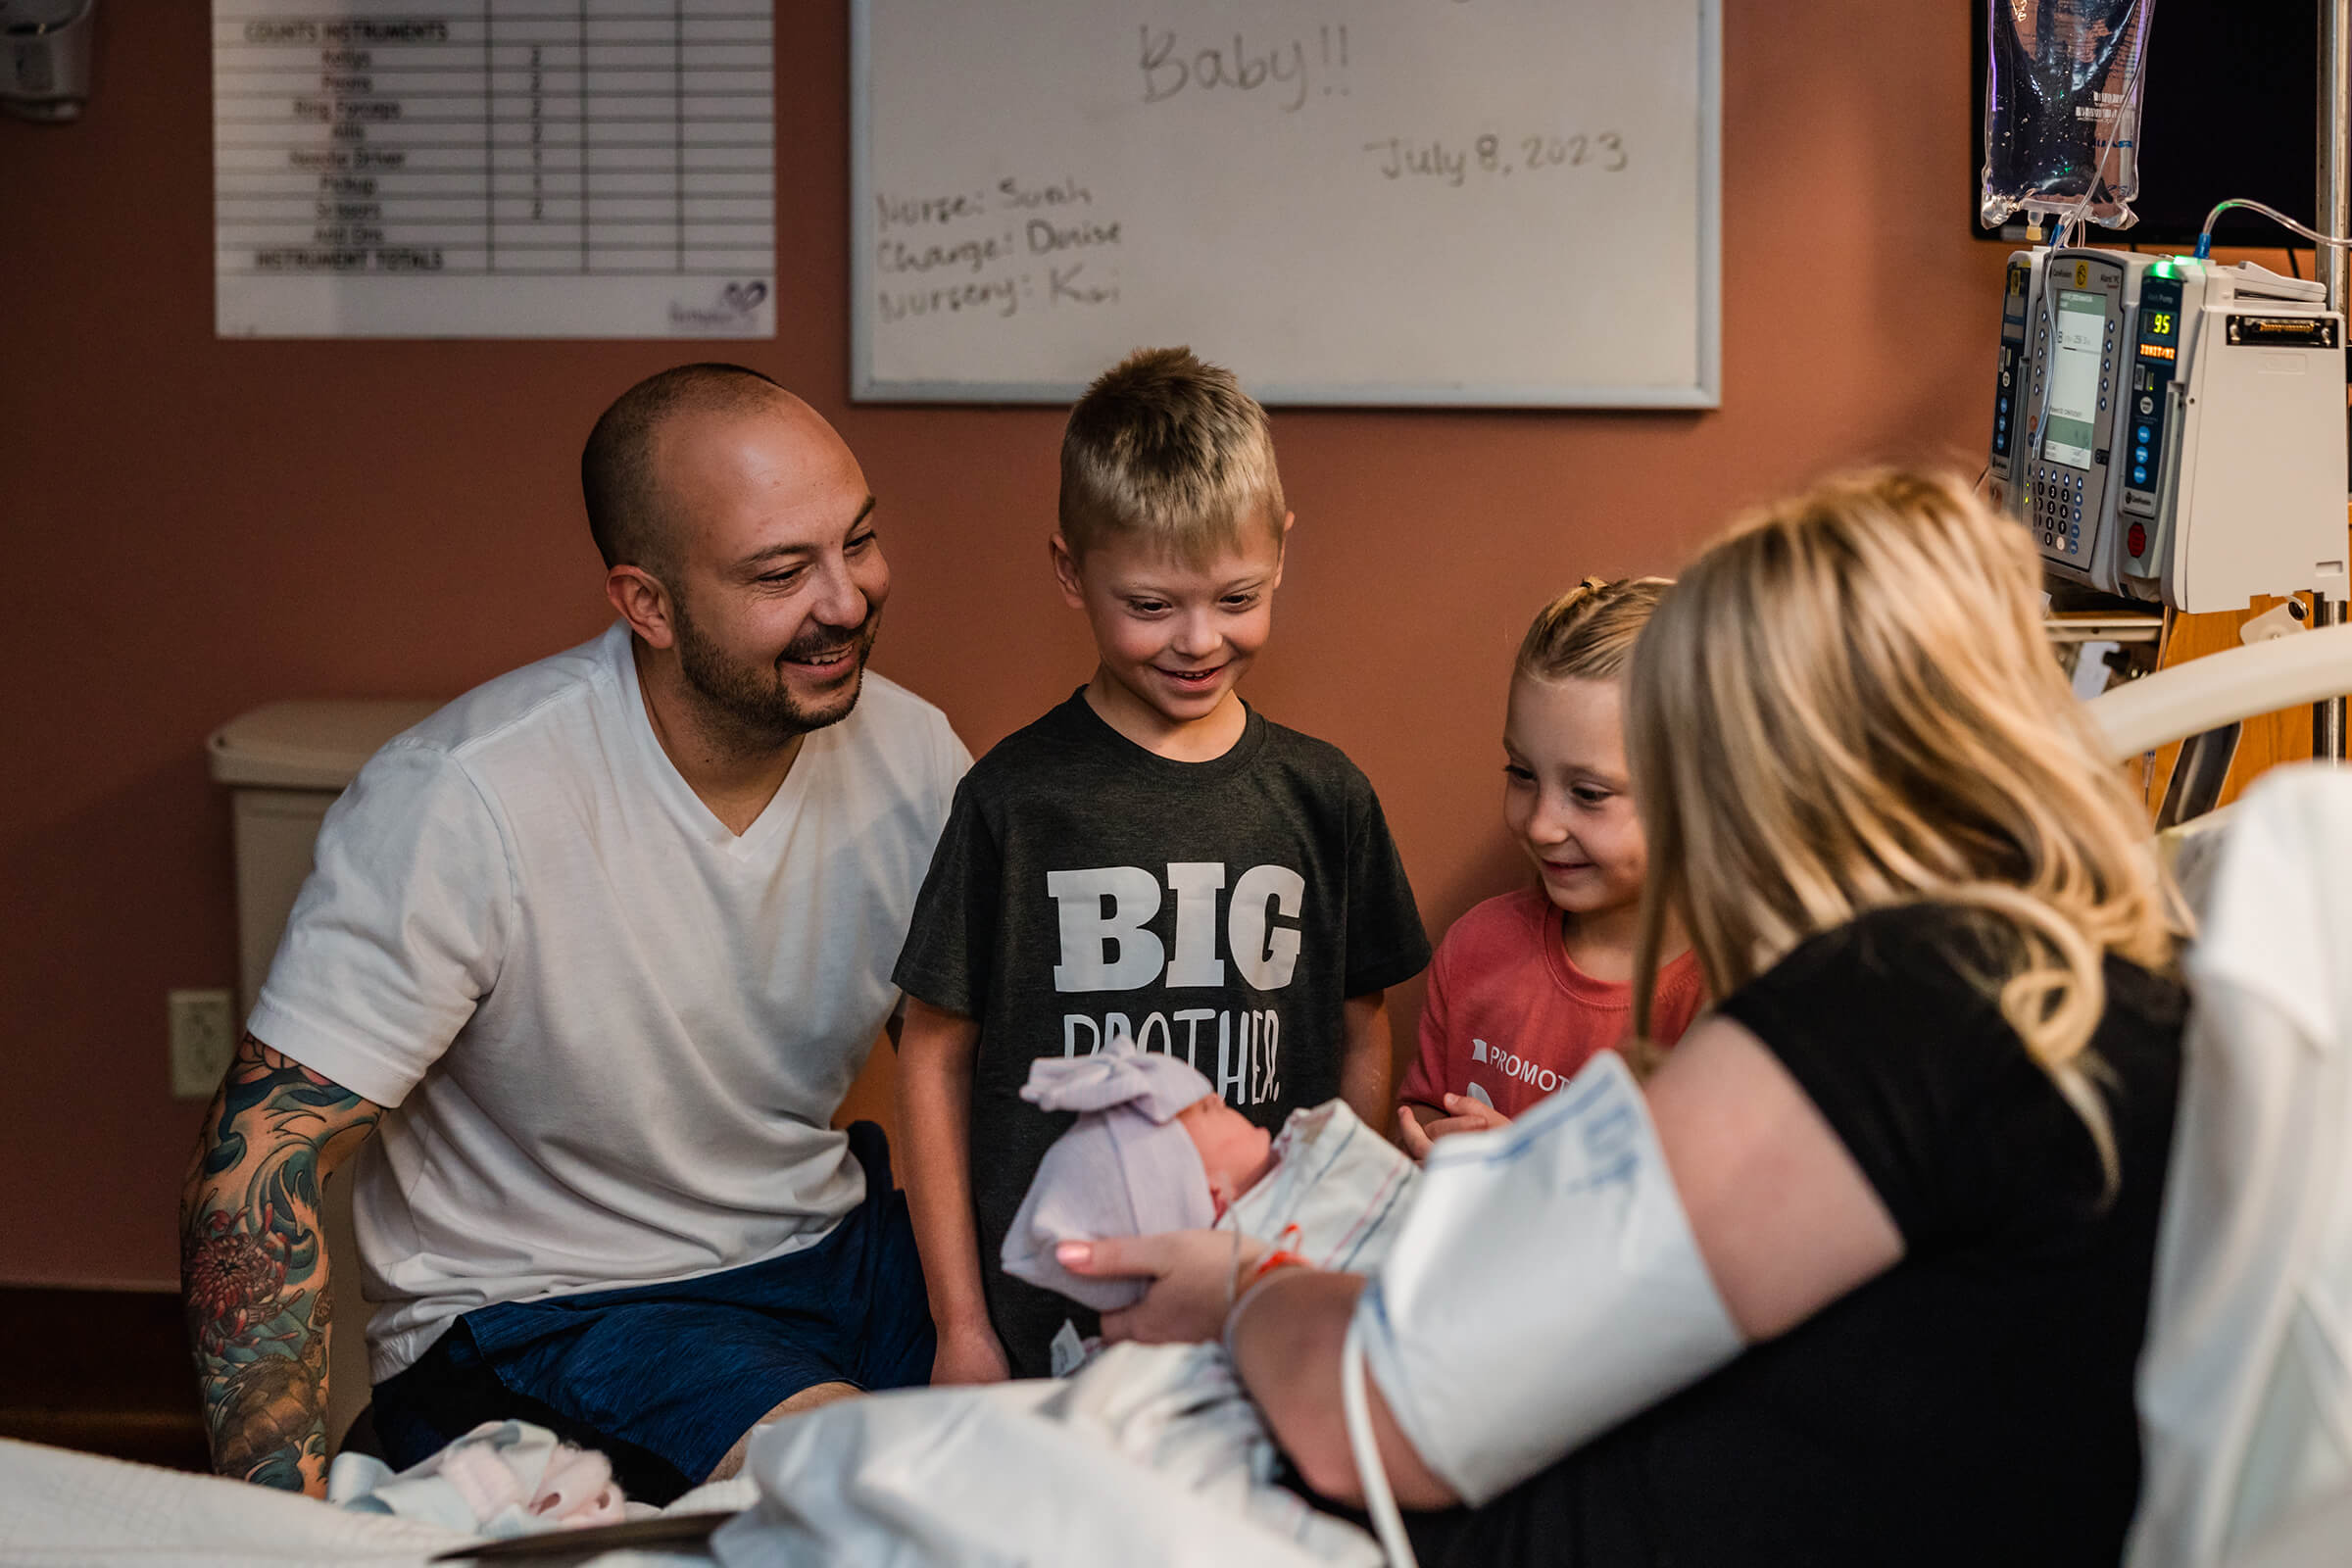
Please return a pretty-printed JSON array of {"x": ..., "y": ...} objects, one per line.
[{"x": 193, "y": 528}]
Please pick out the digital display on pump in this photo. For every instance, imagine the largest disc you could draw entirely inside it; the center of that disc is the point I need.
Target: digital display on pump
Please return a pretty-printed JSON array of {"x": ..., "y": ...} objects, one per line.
[{"x": 2074, "y": 378}]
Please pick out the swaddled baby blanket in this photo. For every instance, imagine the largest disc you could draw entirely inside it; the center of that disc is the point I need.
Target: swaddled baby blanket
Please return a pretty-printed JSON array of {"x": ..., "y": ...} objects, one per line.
[
  {"x": 1334, "y": 1198},
  {"x": 1340, "y": 1184},
  {"x": 1152, "y": 1456}
]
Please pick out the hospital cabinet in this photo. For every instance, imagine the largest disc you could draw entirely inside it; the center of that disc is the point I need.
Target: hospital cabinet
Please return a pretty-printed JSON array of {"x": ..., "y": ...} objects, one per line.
[{"x": 284, "y": 763}]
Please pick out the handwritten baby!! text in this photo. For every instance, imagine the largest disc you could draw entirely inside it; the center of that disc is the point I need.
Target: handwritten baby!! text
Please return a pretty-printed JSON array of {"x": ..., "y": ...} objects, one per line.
[{"x": 1168, "y": 70}]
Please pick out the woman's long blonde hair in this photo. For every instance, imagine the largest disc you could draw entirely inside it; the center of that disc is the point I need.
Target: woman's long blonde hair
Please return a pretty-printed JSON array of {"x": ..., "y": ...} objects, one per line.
[{"x": 1848, "y": 702}]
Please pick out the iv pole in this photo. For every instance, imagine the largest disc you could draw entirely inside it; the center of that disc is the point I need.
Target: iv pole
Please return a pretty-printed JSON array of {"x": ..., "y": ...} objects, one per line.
[{"x": 2334, "y": 217}]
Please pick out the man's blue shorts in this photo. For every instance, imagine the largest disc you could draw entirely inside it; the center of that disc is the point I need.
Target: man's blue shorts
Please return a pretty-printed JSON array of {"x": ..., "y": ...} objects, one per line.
[{"x": 663, "y": 1379}]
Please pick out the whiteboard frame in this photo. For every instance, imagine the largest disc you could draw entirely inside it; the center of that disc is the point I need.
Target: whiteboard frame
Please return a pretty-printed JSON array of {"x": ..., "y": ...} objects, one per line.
[{"x": 1705, "y": 393}]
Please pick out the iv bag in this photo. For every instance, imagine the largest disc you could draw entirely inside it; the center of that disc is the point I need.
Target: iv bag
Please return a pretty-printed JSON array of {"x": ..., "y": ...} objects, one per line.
[{"x": 2062, "y": 109}]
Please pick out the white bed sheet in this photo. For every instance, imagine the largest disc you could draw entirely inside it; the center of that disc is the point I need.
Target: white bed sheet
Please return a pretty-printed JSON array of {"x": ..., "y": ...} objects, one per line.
[{"x": 60, "y": 1509}]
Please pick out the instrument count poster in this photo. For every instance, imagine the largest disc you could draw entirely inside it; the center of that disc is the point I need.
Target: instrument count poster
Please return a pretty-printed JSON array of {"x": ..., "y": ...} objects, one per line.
[{"x": 494, "y": 169}]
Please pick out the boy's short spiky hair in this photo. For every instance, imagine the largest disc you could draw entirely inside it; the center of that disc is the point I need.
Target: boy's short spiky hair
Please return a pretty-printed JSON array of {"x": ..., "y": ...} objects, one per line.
[{"x": 1168, "y": 449}]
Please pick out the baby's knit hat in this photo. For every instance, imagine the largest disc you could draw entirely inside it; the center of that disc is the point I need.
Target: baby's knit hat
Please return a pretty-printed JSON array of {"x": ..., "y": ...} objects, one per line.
[{"x": 1125, "y": 1169}]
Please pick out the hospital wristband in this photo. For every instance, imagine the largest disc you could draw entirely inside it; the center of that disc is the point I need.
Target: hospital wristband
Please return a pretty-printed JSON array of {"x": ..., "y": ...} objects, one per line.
[
  {"x": 1280, "y": 1257},
  {"x": 1283, "y": 1252},
  {"x": 1259, "y": 1278}
]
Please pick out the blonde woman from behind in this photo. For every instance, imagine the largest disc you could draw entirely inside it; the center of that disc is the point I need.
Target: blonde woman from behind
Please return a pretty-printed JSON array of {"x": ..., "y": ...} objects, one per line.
[{"x": 1919, "y": 1143}]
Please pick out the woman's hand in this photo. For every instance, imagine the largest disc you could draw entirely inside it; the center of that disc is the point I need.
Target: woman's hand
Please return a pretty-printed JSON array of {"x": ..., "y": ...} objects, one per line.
[
  {"x": 1464, "y": 1114},
  {"x": 1194, "y": 1274},
  {"x": 1285, "y": 1347}
]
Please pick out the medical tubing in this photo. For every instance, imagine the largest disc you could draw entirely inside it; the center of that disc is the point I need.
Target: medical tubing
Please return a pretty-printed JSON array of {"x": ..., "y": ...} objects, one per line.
[
  {"x": 1233, "y": 1274},
  {"x": 2050, "y": 329},
  {"x": 1241, "y": 1308},
  {"x": 2205, "y": 234},
  {"x": 2070, "y": 223},
  {"x": 1379, "y": 1501}
]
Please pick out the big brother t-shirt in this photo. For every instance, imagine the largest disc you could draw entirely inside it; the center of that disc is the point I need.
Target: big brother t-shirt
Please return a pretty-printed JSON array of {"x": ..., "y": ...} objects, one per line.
[{"x": 1088, "y": 890}]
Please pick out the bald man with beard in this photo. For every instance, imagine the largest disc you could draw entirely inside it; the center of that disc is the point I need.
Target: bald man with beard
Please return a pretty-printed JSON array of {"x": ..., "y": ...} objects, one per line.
[{"x": 586, "y": 964}]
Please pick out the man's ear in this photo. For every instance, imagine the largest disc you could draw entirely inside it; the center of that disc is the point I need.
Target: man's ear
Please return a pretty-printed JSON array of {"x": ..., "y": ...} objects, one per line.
[
  {"x": 643, "y": 601},
  {"x": 1066, "y": 572}
]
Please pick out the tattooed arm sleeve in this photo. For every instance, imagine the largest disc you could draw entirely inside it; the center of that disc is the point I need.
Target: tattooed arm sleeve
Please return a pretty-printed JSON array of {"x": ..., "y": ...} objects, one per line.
[{"x": 253, "y": 1266}]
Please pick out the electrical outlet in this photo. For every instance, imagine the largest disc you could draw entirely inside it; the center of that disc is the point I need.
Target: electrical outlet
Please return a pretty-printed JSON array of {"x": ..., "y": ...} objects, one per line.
[{"x": 203, "y": 1035}]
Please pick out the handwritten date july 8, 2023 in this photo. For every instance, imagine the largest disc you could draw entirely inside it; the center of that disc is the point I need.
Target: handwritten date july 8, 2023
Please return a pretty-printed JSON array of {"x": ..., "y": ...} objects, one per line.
[{"x": 1490, "y": 154}]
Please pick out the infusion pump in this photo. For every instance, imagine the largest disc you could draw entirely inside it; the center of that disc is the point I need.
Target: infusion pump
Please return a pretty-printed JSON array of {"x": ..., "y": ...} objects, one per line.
[{"x": 2171, "y": 429}]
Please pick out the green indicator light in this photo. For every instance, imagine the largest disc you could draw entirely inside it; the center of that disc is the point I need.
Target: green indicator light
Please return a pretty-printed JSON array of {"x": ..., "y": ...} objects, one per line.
[{"x": 2162, "y": 268}]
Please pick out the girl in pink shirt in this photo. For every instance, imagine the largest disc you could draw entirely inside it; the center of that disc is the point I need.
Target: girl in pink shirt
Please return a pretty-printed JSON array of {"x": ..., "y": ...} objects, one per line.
[{"x": 1527, "y": 986}]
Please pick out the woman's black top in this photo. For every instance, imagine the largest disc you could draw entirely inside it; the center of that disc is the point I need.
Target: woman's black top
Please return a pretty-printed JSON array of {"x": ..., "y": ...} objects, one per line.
[{"x": 1972, "y": 1406}]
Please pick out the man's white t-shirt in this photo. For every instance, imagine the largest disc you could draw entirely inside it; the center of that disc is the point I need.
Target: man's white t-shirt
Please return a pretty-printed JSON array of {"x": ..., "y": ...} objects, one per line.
[{"x": 614, "y": 1032}]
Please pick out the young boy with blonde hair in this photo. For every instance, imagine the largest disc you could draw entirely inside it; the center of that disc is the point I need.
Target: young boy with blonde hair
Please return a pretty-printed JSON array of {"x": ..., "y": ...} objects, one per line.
[{"x": 1152, "y": 861}]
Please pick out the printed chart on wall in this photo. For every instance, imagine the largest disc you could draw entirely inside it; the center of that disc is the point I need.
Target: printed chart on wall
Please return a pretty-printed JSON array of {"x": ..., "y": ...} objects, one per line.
[
  {"x": 1398, "y": 202},
  {"x": 494, "y": 169}
]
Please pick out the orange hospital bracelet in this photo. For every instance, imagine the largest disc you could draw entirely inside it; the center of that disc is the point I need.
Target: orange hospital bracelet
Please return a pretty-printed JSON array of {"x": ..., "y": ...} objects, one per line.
[
  {"x": 1237, "y": 1285},
  {"x": 1281, "y": 1257}
]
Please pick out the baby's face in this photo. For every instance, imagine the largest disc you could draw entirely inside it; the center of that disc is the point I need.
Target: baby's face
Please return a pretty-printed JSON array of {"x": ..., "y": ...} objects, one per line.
[{"x": 1235, "y": 1151}]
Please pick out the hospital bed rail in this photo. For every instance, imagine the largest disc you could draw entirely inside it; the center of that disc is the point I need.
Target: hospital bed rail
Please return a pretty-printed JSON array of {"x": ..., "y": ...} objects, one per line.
[{"x": 2224, "y": 688}]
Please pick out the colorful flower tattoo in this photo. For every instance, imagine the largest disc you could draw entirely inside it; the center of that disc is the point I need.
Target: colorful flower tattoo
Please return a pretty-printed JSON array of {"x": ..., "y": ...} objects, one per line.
[{"x": 253, "y": 1273}]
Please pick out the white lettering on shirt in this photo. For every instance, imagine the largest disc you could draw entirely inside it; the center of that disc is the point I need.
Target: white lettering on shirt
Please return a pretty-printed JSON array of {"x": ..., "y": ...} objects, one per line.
[
  {"x": 1510, "y": 1065},
  {"x": 1265, "y": 958},
  {"x": 1247, "y": 1069},
  {"x": 1196, "y": 962},
  {"x": 1107, "y": 951},
  {"x": 1191, "y": 1018},
  {"x": 1105, "y": 914},
  {"x": 1232, "y": 1069}
]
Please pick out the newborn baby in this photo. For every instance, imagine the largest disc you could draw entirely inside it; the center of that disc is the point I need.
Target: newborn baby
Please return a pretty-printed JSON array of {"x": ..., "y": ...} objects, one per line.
[{"x": 1154, "y": 1150}]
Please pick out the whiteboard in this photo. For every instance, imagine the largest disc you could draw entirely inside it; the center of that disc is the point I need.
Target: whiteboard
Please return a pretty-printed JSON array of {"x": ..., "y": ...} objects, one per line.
[{"x": 1384, "y": 202}]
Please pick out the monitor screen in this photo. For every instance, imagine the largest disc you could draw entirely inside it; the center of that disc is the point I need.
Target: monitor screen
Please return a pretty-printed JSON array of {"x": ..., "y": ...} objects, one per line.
[{"x": 2074, "y": 377}]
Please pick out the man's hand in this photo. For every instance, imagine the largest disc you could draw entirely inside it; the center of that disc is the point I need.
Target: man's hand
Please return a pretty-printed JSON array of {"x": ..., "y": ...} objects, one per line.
[
  {"x": 969, "y": 1352},
  {"x": 1463, "y": 1114},
  {"x": 1195, "y": 1277},
  {"x": 253, "y": 1269}
]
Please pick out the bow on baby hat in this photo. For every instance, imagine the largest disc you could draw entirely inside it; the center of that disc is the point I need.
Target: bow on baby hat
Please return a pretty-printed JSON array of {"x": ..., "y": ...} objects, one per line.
[
  {"x": 1158, "y": 1086},
  {"x": 1126, "y": 1168}
]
